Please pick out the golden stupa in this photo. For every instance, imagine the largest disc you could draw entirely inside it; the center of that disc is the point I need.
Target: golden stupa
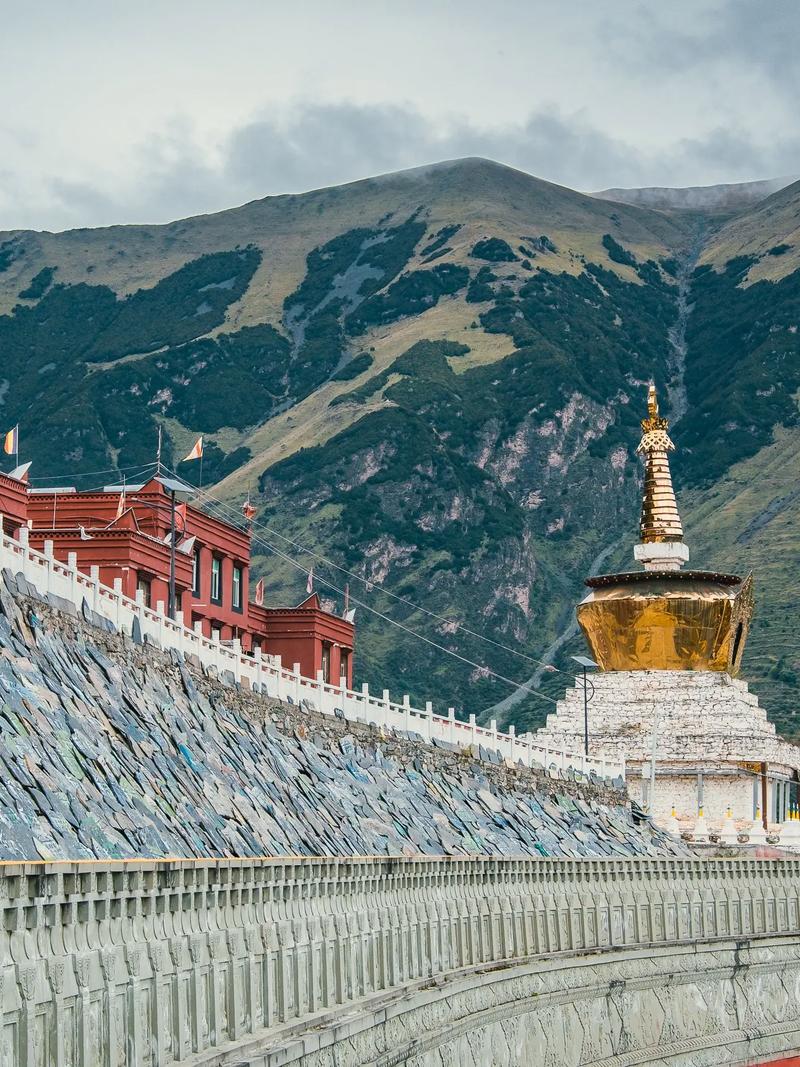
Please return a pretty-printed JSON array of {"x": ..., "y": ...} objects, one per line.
[{"x": 662, "y": 618}]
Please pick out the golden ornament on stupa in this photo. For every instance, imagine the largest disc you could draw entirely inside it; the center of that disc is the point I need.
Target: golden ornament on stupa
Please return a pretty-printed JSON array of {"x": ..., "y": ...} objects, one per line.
[{"x": 662, "y": 618}]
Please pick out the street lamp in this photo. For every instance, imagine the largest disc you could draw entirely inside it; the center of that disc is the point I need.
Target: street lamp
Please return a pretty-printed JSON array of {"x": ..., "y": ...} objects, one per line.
[
  {"x": 586, "y": 663},
  {"x": 173, "y": 486}
]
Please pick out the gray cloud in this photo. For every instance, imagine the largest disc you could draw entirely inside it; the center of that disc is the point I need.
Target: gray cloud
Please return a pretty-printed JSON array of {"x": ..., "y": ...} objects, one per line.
[
  {"x": 313, "y": 146},
  {"x": 626, "y": 93},
  {"x": 729, "y": 40}
]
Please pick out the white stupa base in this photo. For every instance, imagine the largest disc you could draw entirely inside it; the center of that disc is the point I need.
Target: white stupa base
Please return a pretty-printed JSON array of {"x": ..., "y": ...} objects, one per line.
[
  {"x": 662, "y": 556},
  {"x": 711, "y": 739},
  {"x": 700, "y": 831},
  {"x": 728, "y": 834},
  {"x": 757, "y": 835}
]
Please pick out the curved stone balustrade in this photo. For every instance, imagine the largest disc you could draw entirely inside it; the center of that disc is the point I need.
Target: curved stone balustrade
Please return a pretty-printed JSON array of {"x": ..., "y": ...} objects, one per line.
[{"x": 269, "y": 961}]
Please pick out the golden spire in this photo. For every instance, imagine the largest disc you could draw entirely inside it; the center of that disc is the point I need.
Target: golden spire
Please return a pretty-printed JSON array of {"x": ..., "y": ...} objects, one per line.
[{"x": 660, "y": 520}]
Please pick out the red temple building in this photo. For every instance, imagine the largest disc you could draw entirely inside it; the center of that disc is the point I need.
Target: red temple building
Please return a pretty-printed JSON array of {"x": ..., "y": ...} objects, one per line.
[
  {"x": 13, "y": 503},
  {"x": 127, "y": 536}
]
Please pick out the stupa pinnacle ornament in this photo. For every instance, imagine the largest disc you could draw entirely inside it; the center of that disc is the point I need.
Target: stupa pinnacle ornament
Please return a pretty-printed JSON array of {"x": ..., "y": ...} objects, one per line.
[
  {"x": 663, "y": 618},
  {"x": 661, "y": 546}
]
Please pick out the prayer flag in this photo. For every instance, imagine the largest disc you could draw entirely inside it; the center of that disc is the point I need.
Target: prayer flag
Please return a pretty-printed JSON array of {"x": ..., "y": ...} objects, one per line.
[
  {"x": 11, "y": 442},
  {"x": 260, "y": 592},
  {"x": 197, "y": 451}
]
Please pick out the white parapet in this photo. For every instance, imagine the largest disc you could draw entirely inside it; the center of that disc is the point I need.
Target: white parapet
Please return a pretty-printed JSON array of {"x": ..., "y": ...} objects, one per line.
[
  {"x": 177, "y": 961},
  {"x": 63, "y": 580}
]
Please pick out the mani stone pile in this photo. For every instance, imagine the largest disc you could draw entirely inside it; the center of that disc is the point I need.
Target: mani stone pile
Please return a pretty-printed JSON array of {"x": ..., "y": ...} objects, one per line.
[{"x": 113, "y": 750}]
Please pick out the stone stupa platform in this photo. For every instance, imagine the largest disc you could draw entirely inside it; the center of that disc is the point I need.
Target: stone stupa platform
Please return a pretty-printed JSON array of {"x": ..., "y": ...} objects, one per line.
[
  {"x": 711, "y": 733},
  {"x": 666, "y": 698}
]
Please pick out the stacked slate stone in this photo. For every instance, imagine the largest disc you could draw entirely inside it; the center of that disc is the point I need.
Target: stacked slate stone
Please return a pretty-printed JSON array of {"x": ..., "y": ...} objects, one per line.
[{"x": 111, "y": 750}]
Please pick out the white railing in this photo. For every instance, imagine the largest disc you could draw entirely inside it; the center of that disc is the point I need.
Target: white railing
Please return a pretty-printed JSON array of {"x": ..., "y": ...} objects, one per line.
[{"x": 267, "y": 675}]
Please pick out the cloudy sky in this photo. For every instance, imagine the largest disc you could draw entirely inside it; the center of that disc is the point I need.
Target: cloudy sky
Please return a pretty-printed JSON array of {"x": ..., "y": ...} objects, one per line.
[{"x": 119, "y": 112}]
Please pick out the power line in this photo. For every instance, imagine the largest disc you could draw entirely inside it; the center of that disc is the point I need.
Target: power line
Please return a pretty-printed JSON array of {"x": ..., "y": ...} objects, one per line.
[
  {"x": 393, "y": 622},
  {"x": 88, "y": 474},
  {"x": 394, "y": 596}
]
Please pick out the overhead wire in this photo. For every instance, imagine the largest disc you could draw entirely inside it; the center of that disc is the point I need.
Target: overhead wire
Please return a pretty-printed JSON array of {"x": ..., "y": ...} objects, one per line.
[
  {"x": 368, "y": 583},
  {"x": 88, "y": 474},
  {"x": 386, "y": 618}
]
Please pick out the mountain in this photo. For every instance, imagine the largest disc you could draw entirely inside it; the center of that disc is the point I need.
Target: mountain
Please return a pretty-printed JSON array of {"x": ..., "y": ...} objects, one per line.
[
  {"x": 709, "y": 199},
  {"x": 435, "y": 379}
]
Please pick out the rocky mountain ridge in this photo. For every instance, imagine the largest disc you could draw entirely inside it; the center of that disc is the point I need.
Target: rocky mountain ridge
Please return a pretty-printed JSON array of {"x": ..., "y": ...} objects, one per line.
[{"x": 711, "y": 199}]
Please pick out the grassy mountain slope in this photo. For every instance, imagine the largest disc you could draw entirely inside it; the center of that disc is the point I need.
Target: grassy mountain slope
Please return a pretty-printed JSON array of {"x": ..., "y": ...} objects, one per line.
[
  {"x": 769, "y": 233},
  {"x": 436, "y": 378},
  {"x": 749, "y": 520}
]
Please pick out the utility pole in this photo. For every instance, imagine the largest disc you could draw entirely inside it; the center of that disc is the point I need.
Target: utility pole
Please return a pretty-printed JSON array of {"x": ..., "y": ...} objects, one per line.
[
  {"x": 585, "y": 663},
  {"x": 172, "y": 538},
  {"x": 652, "y": 803}
]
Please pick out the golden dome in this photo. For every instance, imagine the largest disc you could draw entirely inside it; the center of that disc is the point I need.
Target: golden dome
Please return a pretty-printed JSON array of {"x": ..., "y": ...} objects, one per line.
[
  {"x": 667, "y": 621},
  {"x": 662, "y": 618}
]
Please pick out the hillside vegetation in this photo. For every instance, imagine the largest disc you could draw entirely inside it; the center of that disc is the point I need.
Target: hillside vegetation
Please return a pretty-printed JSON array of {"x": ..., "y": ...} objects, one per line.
[{"x": 436, "y": 378}]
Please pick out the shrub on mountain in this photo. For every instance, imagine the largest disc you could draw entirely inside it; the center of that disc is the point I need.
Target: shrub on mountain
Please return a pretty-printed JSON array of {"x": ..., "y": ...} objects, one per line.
[
  {"x": 411, "y": 294},
  {"x": 386, "y": 252},
  {"x": 541, "y": 243},
  {"x": 617, "y": 253},
  {"x": 39, "y": 284},
  {"x": 495, "y": 250},
  {"x": 9, "y": 251},
  {"x": 480, "y": 288},
  {"x": 363, "y": 361},
  {"x": 183, "y": 305},
  {"x": 440, "y": 238}
]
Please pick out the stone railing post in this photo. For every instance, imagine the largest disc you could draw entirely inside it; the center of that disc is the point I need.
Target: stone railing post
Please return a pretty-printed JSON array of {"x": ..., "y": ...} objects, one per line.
[
  {"x": 23, "y": 537},
  {"x": 180, "y": 632},
  {"x": 257, "y": 657},
  {"x": 94, "y": 577},
  {"x": 72, "y": 564},
  {"x": 118, "y": 603}
]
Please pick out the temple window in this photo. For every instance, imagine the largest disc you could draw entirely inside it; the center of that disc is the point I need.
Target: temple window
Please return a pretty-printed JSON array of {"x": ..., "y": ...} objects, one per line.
[{"x": 216, "y": 580}]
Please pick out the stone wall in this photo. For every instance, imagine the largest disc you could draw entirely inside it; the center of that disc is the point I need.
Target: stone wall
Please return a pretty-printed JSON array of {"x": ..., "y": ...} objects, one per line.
[
  {"x": 39, "y": 574},
  {"x": 143, "y": 964},
  {"x": 113, "y": 749}
]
